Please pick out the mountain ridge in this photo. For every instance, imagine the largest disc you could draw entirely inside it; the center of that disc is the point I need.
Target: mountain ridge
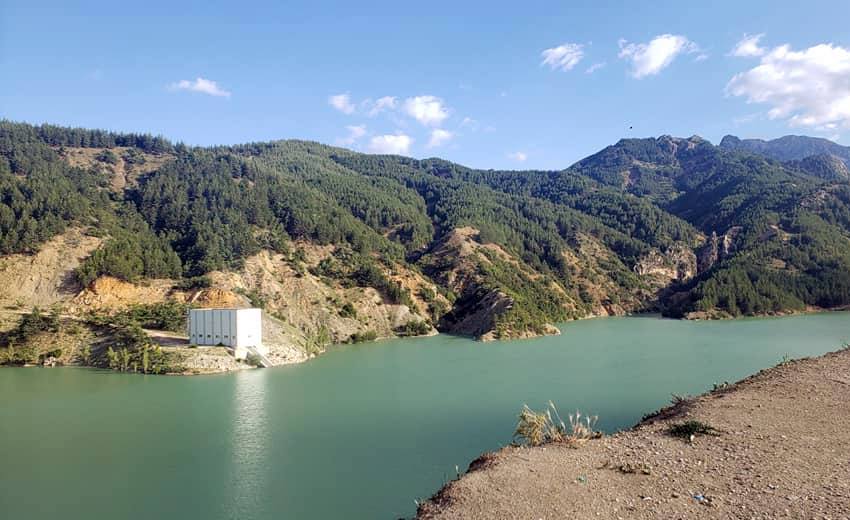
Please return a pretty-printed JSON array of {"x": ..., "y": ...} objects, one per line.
[{"x": 668, "y": 224}]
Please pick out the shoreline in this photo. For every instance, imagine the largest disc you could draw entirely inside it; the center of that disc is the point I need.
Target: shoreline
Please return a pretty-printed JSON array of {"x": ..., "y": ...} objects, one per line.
[
  {"x": 781, "y": 445},
  {"x": 215, "y": 360}
]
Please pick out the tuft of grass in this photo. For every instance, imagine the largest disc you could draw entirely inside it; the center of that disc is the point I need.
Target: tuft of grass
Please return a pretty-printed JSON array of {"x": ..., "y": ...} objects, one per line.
[
  {"x": 538, "y": 428},
  {"x": 691, "y": 428}
]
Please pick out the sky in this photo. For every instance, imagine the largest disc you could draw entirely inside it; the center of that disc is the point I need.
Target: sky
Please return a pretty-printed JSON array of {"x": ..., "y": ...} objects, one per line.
[{"x": 517, "y": 85}]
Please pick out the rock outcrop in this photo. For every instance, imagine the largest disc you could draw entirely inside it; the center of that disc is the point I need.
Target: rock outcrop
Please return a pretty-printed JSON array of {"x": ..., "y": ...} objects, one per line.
[
  {"x": 678, "y": 263},
  {"x": 717, "y": 248}
]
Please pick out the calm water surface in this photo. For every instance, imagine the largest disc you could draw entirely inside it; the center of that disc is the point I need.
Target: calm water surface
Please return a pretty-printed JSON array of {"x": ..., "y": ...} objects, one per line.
[{"x": 358, "y": 433}]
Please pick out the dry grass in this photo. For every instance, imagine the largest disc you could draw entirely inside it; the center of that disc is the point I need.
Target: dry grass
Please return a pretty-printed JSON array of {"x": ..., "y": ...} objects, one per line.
[{"x": 538, "y": 428}]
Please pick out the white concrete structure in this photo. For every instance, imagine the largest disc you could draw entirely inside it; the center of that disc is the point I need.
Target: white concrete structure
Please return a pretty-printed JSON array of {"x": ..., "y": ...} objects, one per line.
[{"x": 240, "y": 329}]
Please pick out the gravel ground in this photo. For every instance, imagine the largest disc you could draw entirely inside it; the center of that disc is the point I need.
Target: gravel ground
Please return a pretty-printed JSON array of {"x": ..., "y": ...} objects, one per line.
[{"x": 782, "y": 451}]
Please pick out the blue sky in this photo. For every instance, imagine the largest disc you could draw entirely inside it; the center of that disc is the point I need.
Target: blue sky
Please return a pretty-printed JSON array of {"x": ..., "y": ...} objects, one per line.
[{"x": 487, "y": 84}]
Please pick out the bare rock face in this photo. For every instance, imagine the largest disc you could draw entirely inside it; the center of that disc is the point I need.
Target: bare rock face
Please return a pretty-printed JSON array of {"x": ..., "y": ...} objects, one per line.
[
  {"x": 718, "y": 248},
  {"x": 678, "y": 263},
  {"x": 476, "y": 312},
  {"x": 479, "y": 307}
]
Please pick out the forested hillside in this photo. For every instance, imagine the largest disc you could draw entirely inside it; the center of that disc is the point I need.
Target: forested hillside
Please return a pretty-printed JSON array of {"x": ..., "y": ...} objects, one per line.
[
  {"x": 670, "y": 224},
  {"x": 788, "y": 148}
]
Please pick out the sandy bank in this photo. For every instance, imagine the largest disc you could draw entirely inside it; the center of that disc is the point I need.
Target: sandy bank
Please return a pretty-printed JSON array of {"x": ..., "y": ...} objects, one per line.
[{"x": 783, "y": 451}]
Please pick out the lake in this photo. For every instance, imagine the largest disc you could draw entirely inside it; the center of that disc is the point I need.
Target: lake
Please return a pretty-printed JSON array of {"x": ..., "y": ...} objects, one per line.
[{"x": 360, "y": 432}]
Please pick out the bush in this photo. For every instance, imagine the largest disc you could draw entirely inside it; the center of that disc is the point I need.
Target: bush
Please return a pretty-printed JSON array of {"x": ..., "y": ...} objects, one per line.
[
  {"x": 132, "y": 156},
  {"x": 691, "y": 428},
  {"x": 254, "y": 297},
  {"x": 162, "y": 316},
  {"x": 34, "y": 323},
  {"x": 193, "y": 282},
  {"x": 537, "y": 428},
  {"x": 135, "y": 352},
  {"x": 348, "y": 311},
  {"x": 414, "y": 328},
  {"x": 107, "y": 157},
  {"x": 362, "y": 337}
]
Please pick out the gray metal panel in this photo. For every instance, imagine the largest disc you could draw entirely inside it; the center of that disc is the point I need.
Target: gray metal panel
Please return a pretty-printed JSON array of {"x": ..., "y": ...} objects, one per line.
[
  {"x": 234, "y": 328},
  {"x": 208, "y": 328},
  {"x": 217, "y": 317}
]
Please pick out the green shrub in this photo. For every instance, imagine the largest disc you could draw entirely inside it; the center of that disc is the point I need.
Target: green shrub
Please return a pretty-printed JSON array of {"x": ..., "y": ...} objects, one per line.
[
  {"x": 362, "y": 337},
  {"x": 107, "y": 157},
  {"x": 162, "y": 316},
  {"x": 348, "y": 311},
  {"x": 193, "y": 282},
  {"x": 414, "y": 328},
  {"x": 686, "y": 429}
]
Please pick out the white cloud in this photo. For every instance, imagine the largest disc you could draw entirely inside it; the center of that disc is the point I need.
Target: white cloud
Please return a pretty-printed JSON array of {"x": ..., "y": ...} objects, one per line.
[
  {"x": 355, "y": 132},
  {"x": 746, "y": 118},
  {"x": 428, "y": 110},
  {"x": 381, "y": 105},
  {"x": 398, "y": 144},
  {"x": 593, "y": 68},
  {"x": 807, "y": 88},
  {"x": 342, "y": 102},
  {"x": 563, "y": 57},
  {"x": 471, "y": 124},
  {"x": 749, "y": 46},
  {"x": 439, "y": 137},
  {"x": 518, "y": 156},
  {"x": 204, "y": 86},
  {"x": 651, "y": 58}
]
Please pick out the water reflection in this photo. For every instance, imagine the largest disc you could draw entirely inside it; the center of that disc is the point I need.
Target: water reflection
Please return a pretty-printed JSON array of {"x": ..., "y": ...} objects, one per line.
[{"x": 249, "y": 444}]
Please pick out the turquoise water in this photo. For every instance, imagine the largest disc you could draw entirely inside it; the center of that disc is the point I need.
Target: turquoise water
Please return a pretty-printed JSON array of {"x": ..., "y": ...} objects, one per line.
[{"x": 360, "y": 432}]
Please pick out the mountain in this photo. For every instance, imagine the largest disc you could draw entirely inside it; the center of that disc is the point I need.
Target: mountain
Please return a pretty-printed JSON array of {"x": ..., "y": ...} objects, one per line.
[
  {"x": 339, "y": 245},
  {"x": 788, "y": 148},
  {"x": 823, "y": 166}
]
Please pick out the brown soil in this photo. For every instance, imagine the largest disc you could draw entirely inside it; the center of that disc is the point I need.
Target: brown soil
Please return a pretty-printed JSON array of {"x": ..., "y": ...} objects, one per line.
[
  {"x": 121, "y": 174},
  {"x": 782, "y": 451},
  {"x": 111, "y": 293},
  {"x": 46, "y": 277},
  {"x": 307, "y": 305}
]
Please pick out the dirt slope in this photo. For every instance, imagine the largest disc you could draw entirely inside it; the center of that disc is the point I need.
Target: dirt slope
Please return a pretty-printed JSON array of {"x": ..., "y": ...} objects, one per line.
[
  {"x": 47, "y": 276},
  {"x": 122, "y": 174},
  {"x": 783, "y": 451},
  {"x": 311, "y": 306}
]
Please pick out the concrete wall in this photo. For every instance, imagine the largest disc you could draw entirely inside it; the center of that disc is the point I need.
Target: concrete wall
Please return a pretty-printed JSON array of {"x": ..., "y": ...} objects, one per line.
[{"x": 236, "y": 328}]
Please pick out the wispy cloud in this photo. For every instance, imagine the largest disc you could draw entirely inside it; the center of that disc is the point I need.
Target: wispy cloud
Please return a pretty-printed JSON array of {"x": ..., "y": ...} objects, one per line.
[
  {"x": 748, "y": 46},
  {"x": 342, "y": 102},
  {"x": 746, "y": 118},
  {"x": 809, "y": 88},
  {"x": 355, "y": 132},
  {"x": 593, "y": 68},
  {"x": 439, "y": 137},
  {"x": 428, "y": 110},
  {"x": 380, "y": 105},
  {"x": 398, "y": 144},
  {"x": 200, "y": 85},
  {"x": 518, "y": 156},
  {"x": 650, "y": 58},
  {"x": 471, "y": 124},
  {"x": 563, "y": 57}
]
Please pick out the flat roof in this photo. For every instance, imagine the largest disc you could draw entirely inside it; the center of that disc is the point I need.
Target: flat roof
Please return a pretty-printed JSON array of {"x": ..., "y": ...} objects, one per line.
[{"x": 227, "y": 309}]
